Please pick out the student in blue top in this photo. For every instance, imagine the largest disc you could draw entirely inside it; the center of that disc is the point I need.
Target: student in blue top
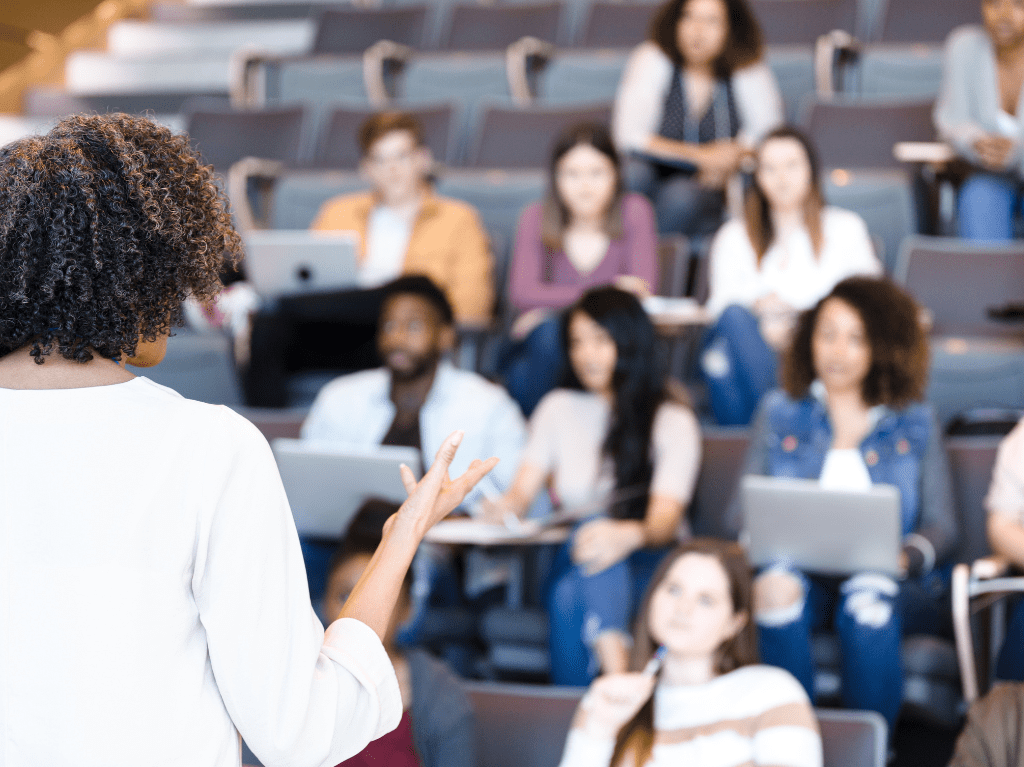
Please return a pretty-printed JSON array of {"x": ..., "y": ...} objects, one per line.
[{"x": 851, "y": 416}]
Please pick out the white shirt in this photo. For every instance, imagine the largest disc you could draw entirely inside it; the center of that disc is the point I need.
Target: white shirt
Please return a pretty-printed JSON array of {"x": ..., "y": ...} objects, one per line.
[
  {"x": 357, "y": 410},
  {"x": 845, "y": 470},
  {"x": 647, "y": 78},
  {"x": 387, "y": 239},
  {"x": 1006, "y": 493},
  {"x": 567, "y": 434},
  {"x": 790, "y": 268},
  {"x": 753, "y": 715},
  {"x": 154, "y": 596}
]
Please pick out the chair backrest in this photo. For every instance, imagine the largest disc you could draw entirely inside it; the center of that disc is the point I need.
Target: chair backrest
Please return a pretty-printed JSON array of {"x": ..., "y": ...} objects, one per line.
[
  {"x": 93, "y": 72},
  {"x": 522, "y": 138},
  {"x": 193, "y": 12},
  {"x": 298, "y": 196},
  {"x": 521, "y": 725},
  {"x": 53, "y": 102},
  {"x": 338, "y": 146},
  {"x": 971, "y": 461},
  {"x": 614, "y": 24},
  {"x": 884, "y": 200},
  {"x": 495, "y": 27},
  {"x": 499, "y": 197},
  {"x": 721, "y": 464},
  {"x": 353, "y": 30},
  {"x": 224, "y": 137},
  {"x": 793, "y": 67},
  {"x": 959, "y": 281},
  {"x": 145, "y": 38},
  {"x": 900, "y": 71},
  {"x": 581, "y": 77},
  {"x": 837, "y": 127},
  {"x": 852, "y": 738},
  {"x": 803, "y": 21},
  {"x": 926, "y": 21}
]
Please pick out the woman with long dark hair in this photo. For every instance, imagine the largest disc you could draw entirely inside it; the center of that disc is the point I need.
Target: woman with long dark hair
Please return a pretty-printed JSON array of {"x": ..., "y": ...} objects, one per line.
[
  {"x": 621, "y": 449},
  {"x": 693, "y": 100},
  {"x": 587, "y": 231},
  {"x": 696, "y": 696},
  {"x": 787, "y": 252}
]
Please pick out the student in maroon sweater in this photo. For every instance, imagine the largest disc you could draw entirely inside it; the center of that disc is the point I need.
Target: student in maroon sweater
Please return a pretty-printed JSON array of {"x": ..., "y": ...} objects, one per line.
[
  {"x": 586, "y": 232},
  {"x": 437, "y": 727}
]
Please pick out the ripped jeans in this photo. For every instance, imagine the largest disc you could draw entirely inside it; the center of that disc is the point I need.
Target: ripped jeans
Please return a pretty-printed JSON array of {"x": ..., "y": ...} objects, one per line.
[
  {"x": 580, "y": 607},
  {"x": 870, "y": 612}
]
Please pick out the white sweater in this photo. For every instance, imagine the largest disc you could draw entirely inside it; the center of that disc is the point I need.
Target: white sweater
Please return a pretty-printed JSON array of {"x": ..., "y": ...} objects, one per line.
[
  {"x": 756, "y": 715},
  {"x": 153, "y": 596},
  {"x": 789, "y": 269},
  {"x": 640, "y": 99}
]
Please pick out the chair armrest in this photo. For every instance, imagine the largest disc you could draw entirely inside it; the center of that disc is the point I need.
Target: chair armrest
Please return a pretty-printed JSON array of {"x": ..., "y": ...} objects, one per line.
[
  {"x": 238, "y": 179},
  {"x": 523, "y": 60},
  {"x": 986, "y": 568},
  {"x": 382, "y": 61}
]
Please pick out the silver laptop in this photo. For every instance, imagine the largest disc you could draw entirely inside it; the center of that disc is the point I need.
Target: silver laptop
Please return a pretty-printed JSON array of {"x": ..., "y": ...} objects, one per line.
[
  {"x": 833, "y": 532},
  {"x": 327, "y": 484},
  {"x": 283, "y": 262}
]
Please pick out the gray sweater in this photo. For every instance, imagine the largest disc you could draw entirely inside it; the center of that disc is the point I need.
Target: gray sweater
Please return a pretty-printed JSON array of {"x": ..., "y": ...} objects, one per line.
[
  {"x": 443, "y": 727},
  {"x": 969, "y": 100}
]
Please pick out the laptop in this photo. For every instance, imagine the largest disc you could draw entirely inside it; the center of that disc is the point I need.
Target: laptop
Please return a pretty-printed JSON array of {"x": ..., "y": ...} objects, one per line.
[
  {"x": 327, "y": 484},
  {"x": 283, "y": 262},
  {"x": 833, "y": 532}
]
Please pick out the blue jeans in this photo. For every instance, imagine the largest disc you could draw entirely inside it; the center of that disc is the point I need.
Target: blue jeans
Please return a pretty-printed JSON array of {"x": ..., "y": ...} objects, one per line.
[
  {"x": 533, "y": 366},
  {"x": 987, "y": 205},
  {"x": 681, "y": 204},
  {"x": 580, "y": 607},
  {"x": 738, "y": 366},
  {"x": 1010, "y": 665},
  {"x": 870, "y": 613}
]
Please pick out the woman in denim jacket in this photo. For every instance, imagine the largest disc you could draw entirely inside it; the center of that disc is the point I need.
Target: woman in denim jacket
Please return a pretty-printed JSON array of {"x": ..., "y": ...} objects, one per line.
[{"x": 851, "y": 416}]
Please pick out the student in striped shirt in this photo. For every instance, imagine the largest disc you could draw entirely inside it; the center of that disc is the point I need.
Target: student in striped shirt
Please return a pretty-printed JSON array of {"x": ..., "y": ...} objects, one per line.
[{"x": 702, "y": 699}]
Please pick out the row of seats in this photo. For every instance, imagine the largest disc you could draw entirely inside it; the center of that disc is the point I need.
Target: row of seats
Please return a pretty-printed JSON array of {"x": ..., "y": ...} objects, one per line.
[
  {"x": 526, "y": 726},
  {"x": 501, "y": 135},
  {"x": 785, "y": 21}
]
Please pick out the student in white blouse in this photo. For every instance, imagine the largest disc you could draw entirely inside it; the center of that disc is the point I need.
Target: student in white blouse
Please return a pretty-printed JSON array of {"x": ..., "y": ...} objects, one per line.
[
  {"x": 788, "y": 252},
  {"x": 692, "y": 102},
  {"x": 155, "y": 600}
]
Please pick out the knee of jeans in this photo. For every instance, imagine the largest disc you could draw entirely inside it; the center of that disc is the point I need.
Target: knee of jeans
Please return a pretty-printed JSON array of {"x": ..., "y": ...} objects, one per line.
[
  {"x": 779, "y": 597},
  {"x": 637, "y": 175},
  {"x": 715, "y": 360},
  {"x": 869, "y": 598}
]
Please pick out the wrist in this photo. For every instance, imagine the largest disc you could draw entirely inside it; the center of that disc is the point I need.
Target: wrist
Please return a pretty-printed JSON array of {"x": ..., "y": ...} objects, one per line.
[{"x": 634, "y": 533}]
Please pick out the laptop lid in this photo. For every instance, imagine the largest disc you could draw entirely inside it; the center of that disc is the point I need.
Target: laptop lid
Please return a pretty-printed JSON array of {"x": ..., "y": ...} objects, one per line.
[
  {"x": 833, "y": 532},
  {"x": 327, "y": 484},
  {"x": 282, "y": 262}
]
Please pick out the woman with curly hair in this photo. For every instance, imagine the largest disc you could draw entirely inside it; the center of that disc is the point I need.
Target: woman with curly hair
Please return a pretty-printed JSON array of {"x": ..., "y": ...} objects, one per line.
[
  {"x": 153, "y": 588},
  {"x": 851, "y": 416}
]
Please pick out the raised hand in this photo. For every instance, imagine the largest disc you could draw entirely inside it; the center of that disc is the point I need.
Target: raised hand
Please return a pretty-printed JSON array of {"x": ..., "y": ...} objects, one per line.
[{"x": 436, "y": 495}]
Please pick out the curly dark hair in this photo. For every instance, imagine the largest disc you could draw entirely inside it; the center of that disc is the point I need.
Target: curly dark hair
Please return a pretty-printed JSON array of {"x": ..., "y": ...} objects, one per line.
[
  {"x": 899, "y": 347},
  {"x": 744, "y": 45},
  {"x": 107, "y": 224}
]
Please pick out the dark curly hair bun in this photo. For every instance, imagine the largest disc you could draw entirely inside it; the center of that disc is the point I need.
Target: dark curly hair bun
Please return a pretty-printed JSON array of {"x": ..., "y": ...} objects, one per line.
[{"x": 107, "y": 224}]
